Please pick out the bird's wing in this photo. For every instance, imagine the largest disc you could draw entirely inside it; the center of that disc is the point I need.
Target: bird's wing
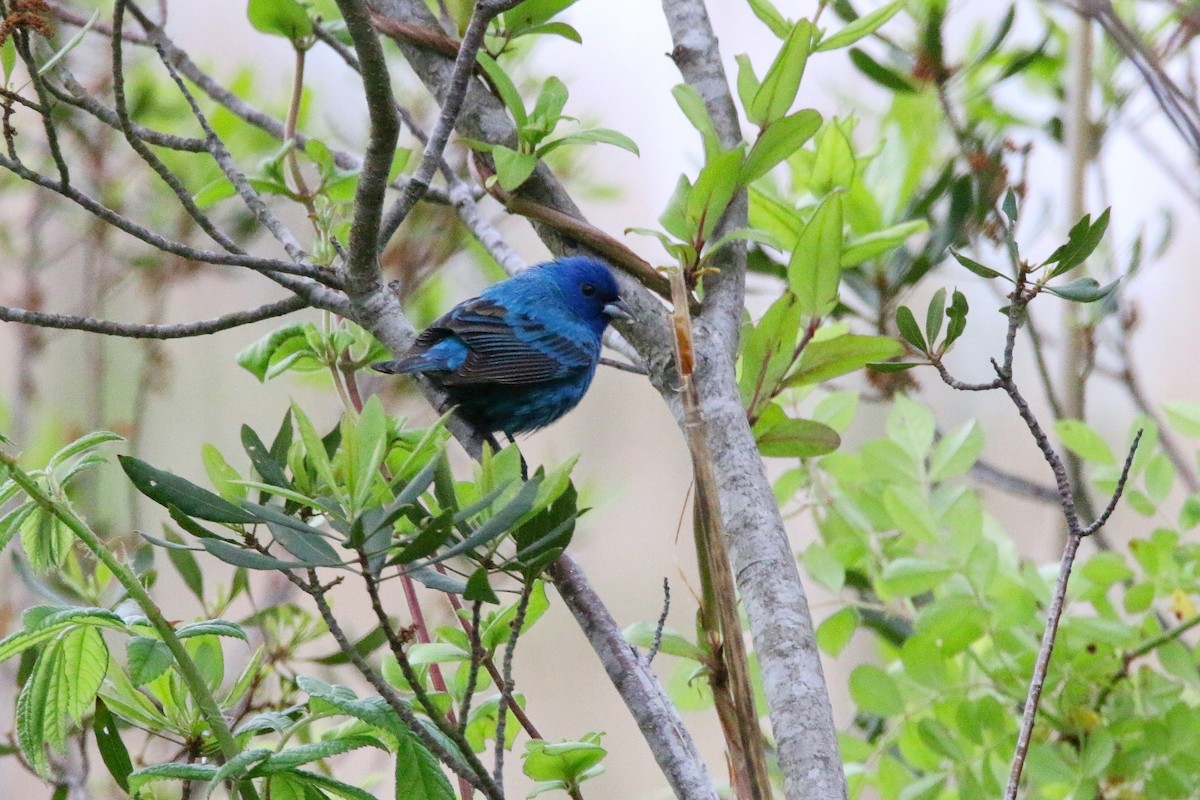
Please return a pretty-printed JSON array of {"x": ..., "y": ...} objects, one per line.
[{"x": 506, "y": 347}]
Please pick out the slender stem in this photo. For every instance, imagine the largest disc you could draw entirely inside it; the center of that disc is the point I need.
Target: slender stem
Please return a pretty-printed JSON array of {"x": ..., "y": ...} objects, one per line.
[
  {"x": 506, "y": 685},
  {"x": 150, "y": 331},
  {"x": 188, "y": 671},
  {"x": 1038, "y": 681},
  {"x": 452, "y": 103}
]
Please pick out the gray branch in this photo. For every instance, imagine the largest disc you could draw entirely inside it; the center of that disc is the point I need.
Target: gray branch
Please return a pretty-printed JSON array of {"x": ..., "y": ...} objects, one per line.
[
  {"x": 135, "y": 330},
  {"x": 768, "y": 578},
  {"x": 639, "y": 687}
]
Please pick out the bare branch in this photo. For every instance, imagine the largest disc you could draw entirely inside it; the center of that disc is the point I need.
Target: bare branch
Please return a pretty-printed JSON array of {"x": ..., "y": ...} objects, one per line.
[
  {"x": 264, "y": 265},
  {"x": 452, "y": 103},
  {"x": 638, "y": 686},
  {"x": 506, "y": 682},
  {"x": 1118, "y": 491},
  {"x": 137, "y": 331},
  {"x": 154, "y": 162}
]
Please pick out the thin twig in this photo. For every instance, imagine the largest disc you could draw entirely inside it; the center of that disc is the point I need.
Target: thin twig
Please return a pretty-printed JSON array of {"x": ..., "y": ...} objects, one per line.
[
  {"x": 662, "y": 623},
  {"x": 477, "y": 656},
  {"x": 452, "y": 102},
  {"x": 142, "y": 331},
  {"x": 506, "y": 685}
]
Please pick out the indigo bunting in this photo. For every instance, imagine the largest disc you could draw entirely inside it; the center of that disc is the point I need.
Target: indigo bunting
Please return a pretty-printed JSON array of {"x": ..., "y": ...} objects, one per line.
[{"x": 523, "y": 353}]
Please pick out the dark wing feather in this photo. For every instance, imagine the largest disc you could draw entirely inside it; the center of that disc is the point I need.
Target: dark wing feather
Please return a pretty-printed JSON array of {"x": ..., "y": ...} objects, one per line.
[{"x": 504, "y": 347}]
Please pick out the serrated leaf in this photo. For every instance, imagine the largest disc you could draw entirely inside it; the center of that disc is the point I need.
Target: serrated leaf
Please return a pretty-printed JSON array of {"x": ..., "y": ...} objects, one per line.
[
  {"x": 147, "y": 658},
  {"x": 419, "y": 776}
]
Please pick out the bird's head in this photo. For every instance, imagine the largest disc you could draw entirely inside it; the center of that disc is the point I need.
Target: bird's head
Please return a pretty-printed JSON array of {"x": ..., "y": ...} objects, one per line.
[{"x": 589, "y": 289}]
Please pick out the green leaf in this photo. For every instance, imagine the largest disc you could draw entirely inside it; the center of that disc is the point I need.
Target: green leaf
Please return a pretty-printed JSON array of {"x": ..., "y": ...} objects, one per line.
[
  {"x": 1082, "y": 240},
  {"x": 551, "y": 101},
  {"x": 956, "y": 453},
  {"x": 824, "y": 567},
  {"x": 935, "y": 315},
  {"x": 828, "y": 358},
  {"x": 1083, "y": 290},
  {"x": 797, "y": 438},
  {"x": 593, "y": 136},
  {"x": 975, "y": 266},
  {"x": 279, "y": 350},
  {"x": 906, "y": 323},
  {"x": 1010, "y": 206},
  {"x": 813, "y": 270},
  {"x": 54, "y": 622},
  {"x": 564, "y": 761},
  {"x": 747, "y": 81},
  {"x": 170, "y": 772},
  {"x": 714, "y": 189},
  {"x": 767, "y": 350},
  {"x": 170, "y": 490},
  {"x": 910, "y": 576},
  {"x": 211, "y": 627},
  {"x": 112, "y": 748},
  {"x": 777, "y": 92},
  {"x": 673, "y": 643},
  {"x": 418, "y": 774},
  {"x": 874, "y": 691},
  {"x": 8, "y": 54},
  {"x": 862, "y": 27},
  {"x": 836, "y": 630},
  {"x": 478, "y": 587},
  {"x": 147, "y": 659},
  {"x": 45, "y": 539},
  {"x": 885, "y": 76},
  {"x": 778, "y": 141},
  {"x": 1184, "y": 417},
  {"x": 505, "y": 88},
  {"x": 286, "y": 18},
  {"x": 770, "y": 16},
  {"x": 552, "y": 29},
  {"x": 316, "y": 751},
  {"x": 834, "y": 165},
  {"x": 958, "y": 319},
  {"x": 512, "y": 167},
  {"x": 250, "y": 559},
  {"x": 873, "y": 245},
  {"x": 1078, "y": 437},
  {"x": 692, "y": 105}
]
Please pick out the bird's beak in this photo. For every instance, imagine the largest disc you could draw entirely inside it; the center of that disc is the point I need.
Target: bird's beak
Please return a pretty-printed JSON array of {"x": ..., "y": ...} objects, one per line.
[{"x": 618, "y": 310}]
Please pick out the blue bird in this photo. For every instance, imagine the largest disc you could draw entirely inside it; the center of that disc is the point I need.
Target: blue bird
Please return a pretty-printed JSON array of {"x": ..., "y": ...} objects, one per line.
[{"x": 523, "y": 353}]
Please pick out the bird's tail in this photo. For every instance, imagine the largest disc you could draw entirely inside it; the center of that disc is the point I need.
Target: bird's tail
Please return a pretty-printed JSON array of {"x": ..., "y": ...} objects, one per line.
[{"x": 404, "y": 365}]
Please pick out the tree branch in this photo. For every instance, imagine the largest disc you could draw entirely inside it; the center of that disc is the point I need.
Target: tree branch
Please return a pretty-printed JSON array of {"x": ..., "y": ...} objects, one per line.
[
  {"x": 653, "y": 711},
  {"x": 134, "y": 330}
]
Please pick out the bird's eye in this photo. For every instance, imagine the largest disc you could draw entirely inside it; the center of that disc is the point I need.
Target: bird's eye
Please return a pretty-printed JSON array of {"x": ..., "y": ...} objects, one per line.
[{"x": 587, "y": 289}]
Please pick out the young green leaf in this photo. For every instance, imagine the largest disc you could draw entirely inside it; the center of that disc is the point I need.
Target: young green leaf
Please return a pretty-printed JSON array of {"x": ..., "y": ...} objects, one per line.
[
  {"x": 1083, "y": 290},
  {"x": 796, "y": 438},
  {"x": 779, "y": 86},
  {"x": 829, "y": 358},
  {"x": 513, "y": 167},
  {"x": 692, "y": 105},
  {"x": 814, "y": 269},
  {"x": 862, "y": 27},
  {"x": 1083, "y": 238},
  {"x": 777, "y": 142},
  {"x": 286, "y": 18}
]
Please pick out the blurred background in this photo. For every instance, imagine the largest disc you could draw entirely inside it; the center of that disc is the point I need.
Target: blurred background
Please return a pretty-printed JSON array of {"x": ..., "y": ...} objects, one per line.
[{"x": 171, "y": 398}]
